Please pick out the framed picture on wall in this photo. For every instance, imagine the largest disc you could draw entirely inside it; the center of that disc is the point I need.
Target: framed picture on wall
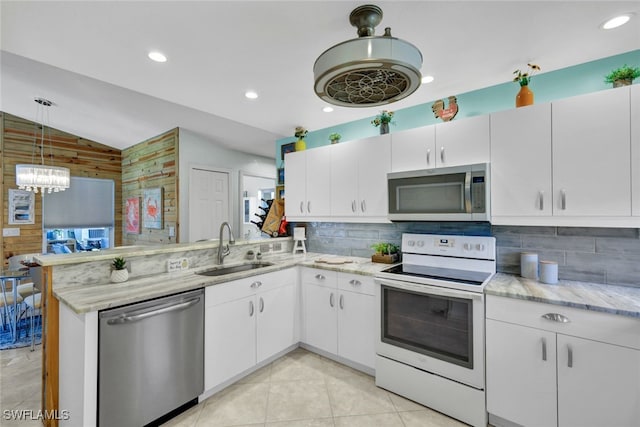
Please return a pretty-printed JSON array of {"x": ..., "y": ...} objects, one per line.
[
  {"x": 287, "y": 148},
  {"x": 281, "y": 176},
  {"x": 132, "y": 215},
  {"x": 152, "y": 208},
  {"x": 21, "y": 207}
]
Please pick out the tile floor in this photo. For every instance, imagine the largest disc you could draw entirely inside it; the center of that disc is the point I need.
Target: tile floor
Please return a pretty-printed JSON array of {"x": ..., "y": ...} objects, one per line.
[
  {"x": 304, "y": 389},
  {"x": 299, "y": 389},
  {"x": 20, "y": 379}
]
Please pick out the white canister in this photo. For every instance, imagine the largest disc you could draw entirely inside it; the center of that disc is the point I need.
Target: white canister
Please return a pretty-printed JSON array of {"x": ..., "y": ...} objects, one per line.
[
  {"x": 529, "y": 265},
  {"x": 549, "y": 272}
]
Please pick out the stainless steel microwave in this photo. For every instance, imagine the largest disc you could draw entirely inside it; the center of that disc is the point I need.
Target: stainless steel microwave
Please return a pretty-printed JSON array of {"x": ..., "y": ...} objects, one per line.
[{"x": 457, "y": 193}]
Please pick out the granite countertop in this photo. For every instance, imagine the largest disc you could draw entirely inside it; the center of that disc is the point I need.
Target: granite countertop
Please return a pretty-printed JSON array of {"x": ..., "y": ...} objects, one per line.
[
  {"x": 620, "y": 300},
  {"x": 86, "y": 298}
]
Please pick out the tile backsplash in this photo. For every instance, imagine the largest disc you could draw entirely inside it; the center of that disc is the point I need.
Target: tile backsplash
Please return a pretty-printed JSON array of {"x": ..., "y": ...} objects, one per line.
[{"x": 600, "y": 255}]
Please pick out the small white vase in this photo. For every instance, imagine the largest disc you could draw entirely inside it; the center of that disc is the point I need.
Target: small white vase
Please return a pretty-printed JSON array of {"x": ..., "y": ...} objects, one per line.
[{"x": 118, "y": 276}]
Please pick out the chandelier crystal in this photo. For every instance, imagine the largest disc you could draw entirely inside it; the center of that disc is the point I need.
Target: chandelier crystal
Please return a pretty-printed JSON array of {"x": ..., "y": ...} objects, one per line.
[{"x": 40, "y": 177}]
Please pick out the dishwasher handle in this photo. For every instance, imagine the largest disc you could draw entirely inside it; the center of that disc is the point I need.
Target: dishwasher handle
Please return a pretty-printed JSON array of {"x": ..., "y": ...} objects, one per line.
[{"x": 125, "y": 318}]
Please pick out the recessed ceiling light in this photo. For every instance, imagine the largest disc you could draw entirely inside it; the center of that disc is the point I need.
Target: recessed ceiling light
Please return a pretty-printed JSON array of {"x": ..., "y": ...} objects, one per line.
[
  {"x": 157, "y": 56},
  {"x": 251, "y": 94},
  {"x": 616, "y": 22},
  {"x": 427, "y": 79},
  {"x": 327, "y": 109}
]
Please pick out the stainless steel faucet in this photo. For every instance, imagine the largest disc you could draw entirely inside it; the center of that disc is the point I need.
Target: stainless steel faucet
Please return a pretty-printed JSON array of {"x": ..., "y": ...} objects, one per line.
[{"x": 223, "y": 250}]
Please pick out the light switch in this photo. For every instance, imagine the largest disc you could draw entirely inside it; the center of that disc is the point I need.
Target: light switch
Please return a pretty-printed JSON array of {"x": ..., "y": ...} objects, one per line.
[
  {"x": 172, "y": 231},
  {"x": 10, "y": 232}
]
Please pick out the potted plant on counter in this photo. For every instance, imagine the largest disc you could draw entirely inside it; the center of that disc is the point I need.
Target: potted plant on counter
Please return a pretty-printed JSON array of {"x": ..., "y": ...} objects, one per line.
[
  {"x": 119, "y": 272},
  {"x": 386, "y": 253}
]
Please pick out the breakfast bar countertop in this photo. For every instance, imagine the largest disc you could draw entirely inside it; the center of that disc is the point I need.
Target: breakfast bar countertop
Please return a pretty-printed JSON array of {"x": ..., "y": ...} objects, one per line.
[
  {"x": 620, "y": 300},
  {"x": 86, "y": 298}
]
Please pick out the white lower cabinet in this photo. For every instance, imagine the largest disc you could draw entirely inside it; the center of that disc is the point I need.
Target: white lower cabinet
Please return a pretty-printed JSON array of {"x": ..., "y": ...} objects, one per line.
[
  {"x": 339, "y": 314},
  {"x": 549, "y": 365},
  {"x": 246, "y": 322}
]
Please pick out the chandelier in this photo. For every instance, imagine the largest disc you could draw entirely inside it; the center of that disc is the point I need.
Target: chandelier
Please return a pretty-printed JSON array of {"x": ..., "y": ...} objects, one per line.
[
  {"x": 369, "y": 70},
  {"x": 40, "y": 177}
]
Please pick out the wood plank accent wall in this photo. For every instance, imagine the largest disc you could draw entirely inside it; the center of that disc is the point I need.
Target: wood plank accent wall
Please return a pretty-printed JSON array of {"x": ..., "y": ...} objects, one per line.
[
  {"x": 83, "y": 157},
  {"x": 152, "y": 164}
]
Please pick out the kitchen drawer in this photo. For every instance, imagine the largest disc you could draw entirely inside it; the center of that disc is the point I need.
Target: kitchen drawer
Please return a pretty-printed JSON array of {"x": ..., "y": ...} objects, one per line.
[
  {"x": 356, "y": 283},
  {"x": 241, "y": 288},
  {"x": 597, "y": 326},
  {"x": 318, "y": 276}
]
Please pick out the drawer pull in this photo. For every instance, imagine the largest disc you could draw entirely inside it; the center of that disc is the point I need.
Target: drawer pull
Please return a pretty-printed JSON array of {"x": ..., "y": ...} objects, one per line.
[
  {"x": 320, "y": 277},
  {"x": 544, "y": 349},
  {"x": 355, "y": 282},
  {"x": 556, "y": 317}
]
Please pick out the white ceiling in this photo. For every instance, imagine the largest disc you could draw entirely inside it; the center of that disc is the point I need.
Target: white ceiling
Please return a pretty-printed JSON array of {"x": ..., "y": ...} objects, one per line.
[{"x": 90, "y": 59}]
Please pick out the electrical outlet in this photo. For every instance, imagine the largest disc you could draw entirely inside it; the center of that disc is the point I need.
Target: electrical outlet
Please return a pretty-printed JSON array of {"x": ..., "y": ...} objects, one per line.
[
  {"x": 277, "y": 246},
  {"x": 264, "y": 248},
  {"x": 177, "y": 264}
]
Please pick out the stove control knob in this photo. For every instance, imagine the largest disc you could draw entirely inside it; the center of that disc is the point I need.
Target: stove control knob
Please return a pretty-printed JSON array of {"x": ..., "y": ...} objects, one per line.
[
  {"x": 467, "y": 246},
  {"x": 411, "y": 243},
  {"x": 420, "y": 243},
  {"x": 479, "y": 247}
]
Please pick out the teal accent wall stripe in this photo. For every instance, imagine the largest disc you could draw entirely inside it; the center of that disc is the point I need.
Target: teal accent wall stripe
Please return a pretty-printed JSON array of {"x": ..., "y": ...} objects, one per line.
[{"x": 550, "y": 86}]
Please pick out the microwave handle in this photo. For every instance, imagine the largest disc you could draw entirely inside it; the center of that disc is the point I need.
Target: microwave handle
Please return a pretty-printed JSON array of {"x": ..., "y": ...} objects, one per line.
[{"x": 467, "y": 192}]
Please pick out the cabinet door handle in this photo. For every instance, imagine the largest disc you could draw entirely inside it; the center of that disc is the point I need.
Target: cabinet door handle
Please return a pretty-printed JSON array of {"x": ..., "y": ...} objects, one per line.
[
  {"x": 261, "y": 308},
  {"x": 256, "y": 284},
  {"x": 556, "y": 317},
  {"x": 355, "y": 282},
  {"x": 428, "y": 156},
  {"x": 341, "y": 302},
  {"x": 301, "y": 207},
  {"x": 320, "y": 277},
  {"x": 251, "y": 308},
  {"x": 363, "y": 206},
  {"x": 442, "y": 154},
  {"x": 353, "y": 206},
  {"x": 331, "y": 299},
  {"x": 541, "y": 196},
  {"x": 544, "y": 349},
  {"x": 563, "y": 199},
  {"x": 309, "y": 206},
  {"x": 569, "y": 356}
]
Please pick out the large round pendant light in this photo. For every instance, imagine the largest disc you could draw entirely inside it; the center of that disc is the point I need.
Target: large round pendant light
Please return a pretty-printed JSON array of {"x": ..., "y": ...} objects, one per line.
[{"x": 370, "y": 70}]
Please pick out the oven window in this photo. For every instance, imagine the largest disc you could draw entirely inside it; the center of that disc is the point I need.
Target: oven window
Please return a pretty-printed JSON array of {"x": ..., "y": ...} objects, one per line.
[{"x": 437, "y": 326}]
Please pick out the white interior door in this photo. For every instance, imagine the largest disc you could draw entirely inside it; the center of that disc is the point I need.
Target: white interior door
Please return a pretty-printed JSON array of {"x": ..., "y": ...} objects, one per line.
[{"x": 208, "y": 203}]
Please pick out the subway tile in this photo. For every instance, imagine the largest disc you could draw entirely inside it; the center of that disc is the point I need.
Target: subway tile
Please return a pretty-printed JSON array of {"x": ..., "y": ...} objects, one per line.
[
  {"x": 619, "y": 246},
  {"x": 622, "y": 277},
  {"x": 365, "y": 253},
  {"x": 362, "y": 234},
  {"x": 584, "y": 244},
  {"x": 631, "y": 233},
  {"x": 466, "y": 228},
  {"x": 534, "y": 230},
  {"x": 508, "y": 240},
  {"x": 584, "y": 260},
  {"x": 594, "y": 275}
]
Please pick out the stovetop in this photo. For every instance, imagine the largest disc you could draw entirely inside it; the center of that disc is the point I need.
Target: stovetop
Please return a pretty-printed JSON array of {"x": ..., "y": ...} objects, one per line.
[{"x": 471, "y": 278}]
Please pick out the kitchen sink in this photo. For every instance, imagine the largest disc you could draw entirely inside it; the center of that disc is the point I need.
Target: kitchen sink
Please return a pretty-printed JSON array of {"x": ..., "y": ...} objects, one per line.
[{"x": 221, "y": 271}]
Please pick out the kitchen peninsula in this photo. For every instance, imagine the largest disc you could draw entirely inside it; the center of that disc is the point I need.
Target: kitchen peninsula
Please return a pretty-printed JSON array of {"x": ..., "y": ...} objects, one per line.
[{"x": 77, "y": 287}]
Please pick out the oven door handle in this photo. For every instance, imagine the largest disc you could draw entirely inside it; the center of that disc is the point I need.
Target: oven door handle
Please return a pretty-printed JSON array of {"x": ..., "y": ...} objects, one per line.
[{"x": 431, "y": 290}]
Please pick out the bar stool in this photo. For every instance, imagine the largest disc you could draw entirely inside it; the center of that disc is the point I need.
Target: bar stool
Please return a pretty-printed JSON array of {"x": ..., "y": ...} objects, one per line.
[{"x": 33, "y": 304}]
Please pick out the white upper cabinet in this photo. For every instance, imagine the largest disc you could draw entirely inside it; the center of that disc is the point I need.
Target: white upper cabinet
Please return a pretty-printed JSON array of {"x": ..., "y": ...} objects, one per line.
[
  {"x": 462, "y": 142},
  {"x": 359, "y": 178},
  {"x": 521, "y": 162},
  {"x": 591, "y": 154},
  {"x": 635, "y": 149},
  {"x": 307, "y": 176},
  {"x": 413, "y": 149}
]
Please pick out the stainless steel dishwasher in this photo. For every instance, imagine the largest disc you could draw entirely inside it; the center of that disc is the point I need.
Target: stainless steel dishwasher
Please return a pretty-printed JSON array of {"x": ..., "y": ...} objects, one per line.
[{"x": 151, "y": 359}]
